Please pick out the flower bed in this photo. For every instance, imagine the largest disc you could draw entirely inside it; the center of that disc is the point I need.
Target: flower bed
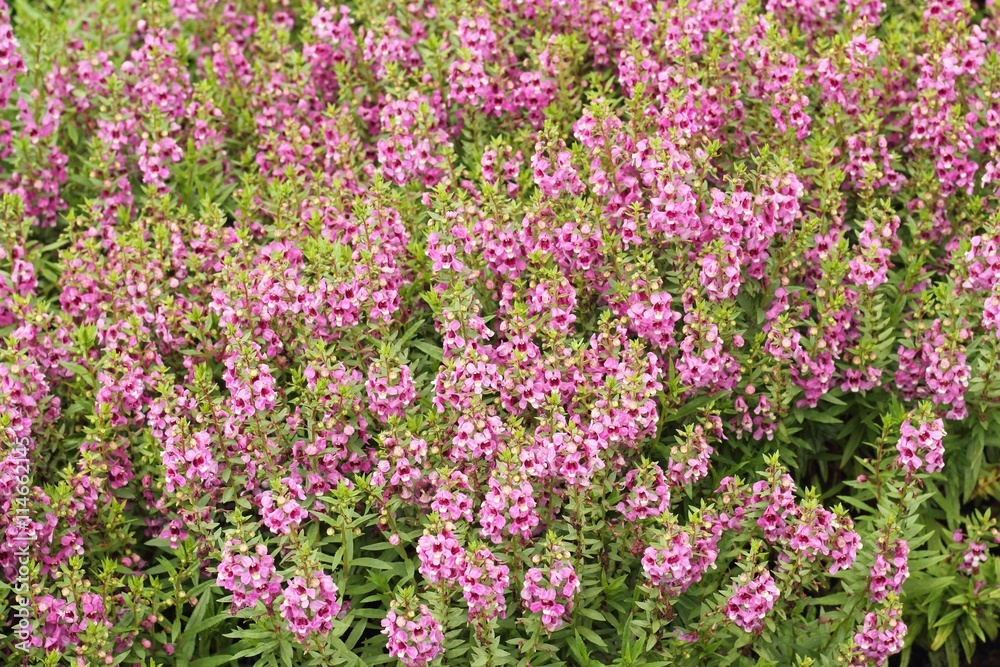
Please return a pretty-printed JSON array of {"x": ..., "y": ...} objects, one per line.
[{"x": 513, "y": 332}]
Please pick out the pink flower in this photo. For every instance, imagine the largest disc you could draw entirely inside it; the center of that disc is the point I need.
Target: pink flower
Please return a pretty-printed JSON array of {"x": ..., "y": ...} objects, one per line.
[
  {"x": 416, "y": 640},
  {"x": 249, "y": 574},
  {"x": 921, "y": 446},
  {"x": 442, "y": 558},
  {"x": 647, "y": 494},
  {"x": 484, "y": 582},
  {"x": 751, "y": 601},
  {"x": 889, "y": 571},
  {"x": 310, "y": 605},
  {"x": 550, "y": 594},
  {"x": 881, "y": 635}
]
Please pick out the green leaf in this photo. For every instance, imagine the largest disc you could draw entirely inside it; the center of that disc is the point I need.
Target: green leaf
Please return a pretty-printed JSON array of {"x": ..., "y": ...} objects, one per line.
[
  {"x": 76, "y": 368},
  {"x": 258, "y": 649},
  {"x": 212, "y": 661},
  {"x": 593, "y": 614},
  {"x": 432, "y": 351},
  {"x": 941, "y": 637},
  {"x": 591, "y": 636},
  {"x": 371, "y": 563},
  {"x": 287, "y": 651},
  {"x": 207, "y": 623}
]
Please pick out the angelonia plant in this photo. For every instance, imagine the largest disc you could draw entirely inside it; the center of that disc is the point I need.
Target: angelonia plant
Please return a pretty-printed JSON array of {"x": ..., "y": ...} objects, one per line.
[{"x": 499, "y": 332}]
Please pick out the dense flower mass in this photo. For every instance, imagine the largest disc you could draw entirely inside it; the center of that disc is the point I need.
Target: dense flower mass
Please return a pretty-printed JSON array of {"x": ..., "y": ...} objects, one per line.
[{"x": 498, "y": 333}]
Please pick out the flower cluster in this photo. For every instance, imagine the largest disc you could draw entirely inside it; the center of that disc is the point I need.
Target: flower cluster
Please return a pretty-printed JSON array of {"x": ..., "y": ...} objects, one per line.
[
  {"x": 681, "y": 557},
  {"x": 441, "y": 557},
  {"x": 751, "y": 601},
  {"x": 484, "y": 582},
  {"x": 974, "y": 549},
  {"x": 310, "y": 604},
  {"x": 880, "y": 637},
  {"x": 647, "y": 493},
  {"x": 889, "y": 571},
  {"x": 550, "y": 592},
  {"x": 414, "y": 639},
  {"x": 921, "y": 445},
  {"x": 249, "y": 574}
]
